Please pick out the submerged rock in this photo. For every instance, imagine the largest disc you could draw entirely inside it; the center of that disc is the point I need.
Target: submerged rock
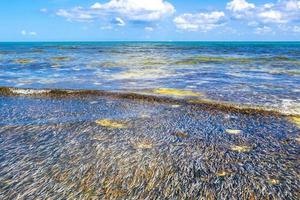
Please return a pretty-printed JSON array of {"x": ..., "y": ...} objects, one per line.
[{"x": 233, "y": 132}]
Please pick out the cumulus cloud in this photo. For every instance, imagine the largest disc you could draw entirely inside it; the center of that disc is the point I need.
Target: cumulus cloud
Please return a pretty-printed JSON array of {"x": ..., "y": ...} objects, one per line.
[
  {"x": 130, "y": 10},
  {"x": 199, "y": 21},
  {"x": 30, "y": 33},
  {"x": 272, "y": 16},
  {"x": 119, "y": 21},
  {"x": 150, "y": 29},
  {"x": 283, "y": 11},
  {"x": 239, "y": 5},
  {"x": 263, "y": 30}
]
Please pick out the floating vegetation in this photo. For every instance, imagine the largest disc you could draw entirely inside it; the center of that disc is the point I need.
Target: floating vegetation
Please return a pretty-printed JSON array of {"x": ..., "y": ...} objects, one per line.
[
  {"x": 181, "y": 135},
  {"x": 295, "y": 120},
  {"x": 208, "y": 59},
  {"x": 111, "y": 124},
  {"x": 5, "y": 91},
  {"x": 177, "y": 92},
  {"x": 57, "y": 92},
  {"x": 72, "y": 157},
  {"x": 273, "y": 181},
  {"x": 240, "y": 149},
  {"x": 55, "y": 65},
  {"x": 61, "y": 58},
  {"x": 23, "y": 61},
  {"x": 222, "y": 173},
  {"x": 109, "y": 64},
  {"x": 153, "y": 62},
  {"x": 143, "y": 144},
  {"x": 233, "y": 132}
]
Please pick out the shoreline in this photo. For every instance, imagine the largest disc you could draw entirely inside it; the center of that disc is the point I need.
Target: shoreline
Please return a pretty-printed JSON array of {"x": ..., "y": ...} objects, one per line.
[{"x": 197, "y": 103}]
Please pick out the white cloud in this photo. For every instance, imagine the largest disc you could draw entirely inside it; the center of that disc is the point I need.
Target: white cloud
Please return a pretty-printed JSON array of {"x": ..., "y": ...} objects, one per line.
[
  {"x": 119, "y": 21},
  {"x": 274, "y": 16},
  {"x": 283, "y": 11},
  {"x": 292, "y": 5},
  {"x": 30, "y": 33},
  {"x": 44, "y": 10},
  {"x": 75, "y": 14},
  {"x": 131, "y": 10},
  {"x": 239, "y": 5},
  {"x": 263, "y": 30},
  {"x": 200, "y": 21},
  {"x": 150, "y": 29}
]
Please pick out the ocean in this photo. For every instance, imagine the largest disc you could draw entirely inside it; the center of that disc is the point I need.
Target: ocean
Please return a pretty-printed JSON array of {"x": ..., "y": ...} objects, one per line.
[{"x": 149, "y": 120}]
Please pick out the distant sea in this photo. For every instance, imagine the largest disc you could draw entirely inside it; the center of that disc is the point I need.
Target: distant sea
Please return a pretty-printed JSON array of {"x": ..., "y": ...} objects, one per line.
[{"x": 265, "y": 74}]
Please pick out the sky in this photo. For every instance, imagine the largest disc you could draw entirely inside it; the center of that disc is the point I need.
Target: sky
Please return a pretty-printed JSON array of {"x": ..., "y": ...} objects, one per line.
[{"x": 149, "y": 20}]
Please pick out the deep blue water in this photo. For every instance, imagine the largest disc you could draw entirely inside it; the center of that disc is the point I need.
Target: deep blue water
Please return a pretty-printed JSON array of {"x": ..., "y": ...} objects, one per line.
[{"x": 254, "y": 73}]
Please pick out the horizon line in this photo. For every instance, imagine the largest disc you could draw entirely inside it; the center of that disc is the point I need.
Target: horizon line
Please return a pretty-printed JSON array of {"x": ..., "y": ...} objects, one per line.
[{"x": 33, "y": 41}]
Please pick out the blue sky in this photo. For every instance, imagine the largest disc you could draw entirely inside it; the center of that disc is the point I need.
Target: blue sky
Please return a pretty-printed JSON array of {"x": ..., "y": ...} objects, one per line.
[{"x": 159, "y": 20}]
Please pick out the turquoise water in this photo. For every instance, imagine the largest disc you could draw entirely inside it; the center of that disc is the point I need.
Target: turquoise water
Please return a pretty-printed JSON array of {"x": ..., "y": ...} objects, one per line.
[{"x": 252, "y": 73}]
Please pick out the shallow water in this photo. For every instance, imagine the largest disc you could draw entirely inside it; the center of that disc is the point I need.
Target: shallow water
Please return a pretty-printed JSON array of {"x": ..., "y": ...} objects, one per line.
[
  {"x": 150, "y": 121},
  {"x": 70, "y": 148},
  {"x": 264, "y": 74}
]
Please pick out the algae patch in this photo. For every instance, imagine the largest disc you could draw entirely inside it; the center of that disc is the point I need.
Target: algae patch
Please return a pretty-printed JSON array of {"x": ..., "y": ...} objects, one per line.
[
  {"x": 240, "y": 149},
  {"x": 61, "y": 58},
  {"x": 111, "y": 124},
  {"x": 57, "y": 92},
  {"x": 177, "y": 92},
  {"x": 23, "y": 61},
  {"x": 5, "y": 91},
  {"x": 181, "y": 135},
  {"x": 143, "y": 144},
  {"x": 295, "y": 120},
  {"x": 208, "y": 59},
  {"x": 222, "y": 173},
  {"x": 273, "y": 181}
]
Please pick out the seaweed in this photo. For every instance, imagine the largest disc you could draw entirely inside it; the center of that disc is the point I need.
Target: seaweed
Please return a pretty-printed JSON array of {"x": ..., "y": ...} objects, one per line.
[
  {"x": 58, "y": 92},
  {"x": 5, "y": 91},
  {"x": 23, "y": 61},
  {"x": 61, "y": 58}
]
